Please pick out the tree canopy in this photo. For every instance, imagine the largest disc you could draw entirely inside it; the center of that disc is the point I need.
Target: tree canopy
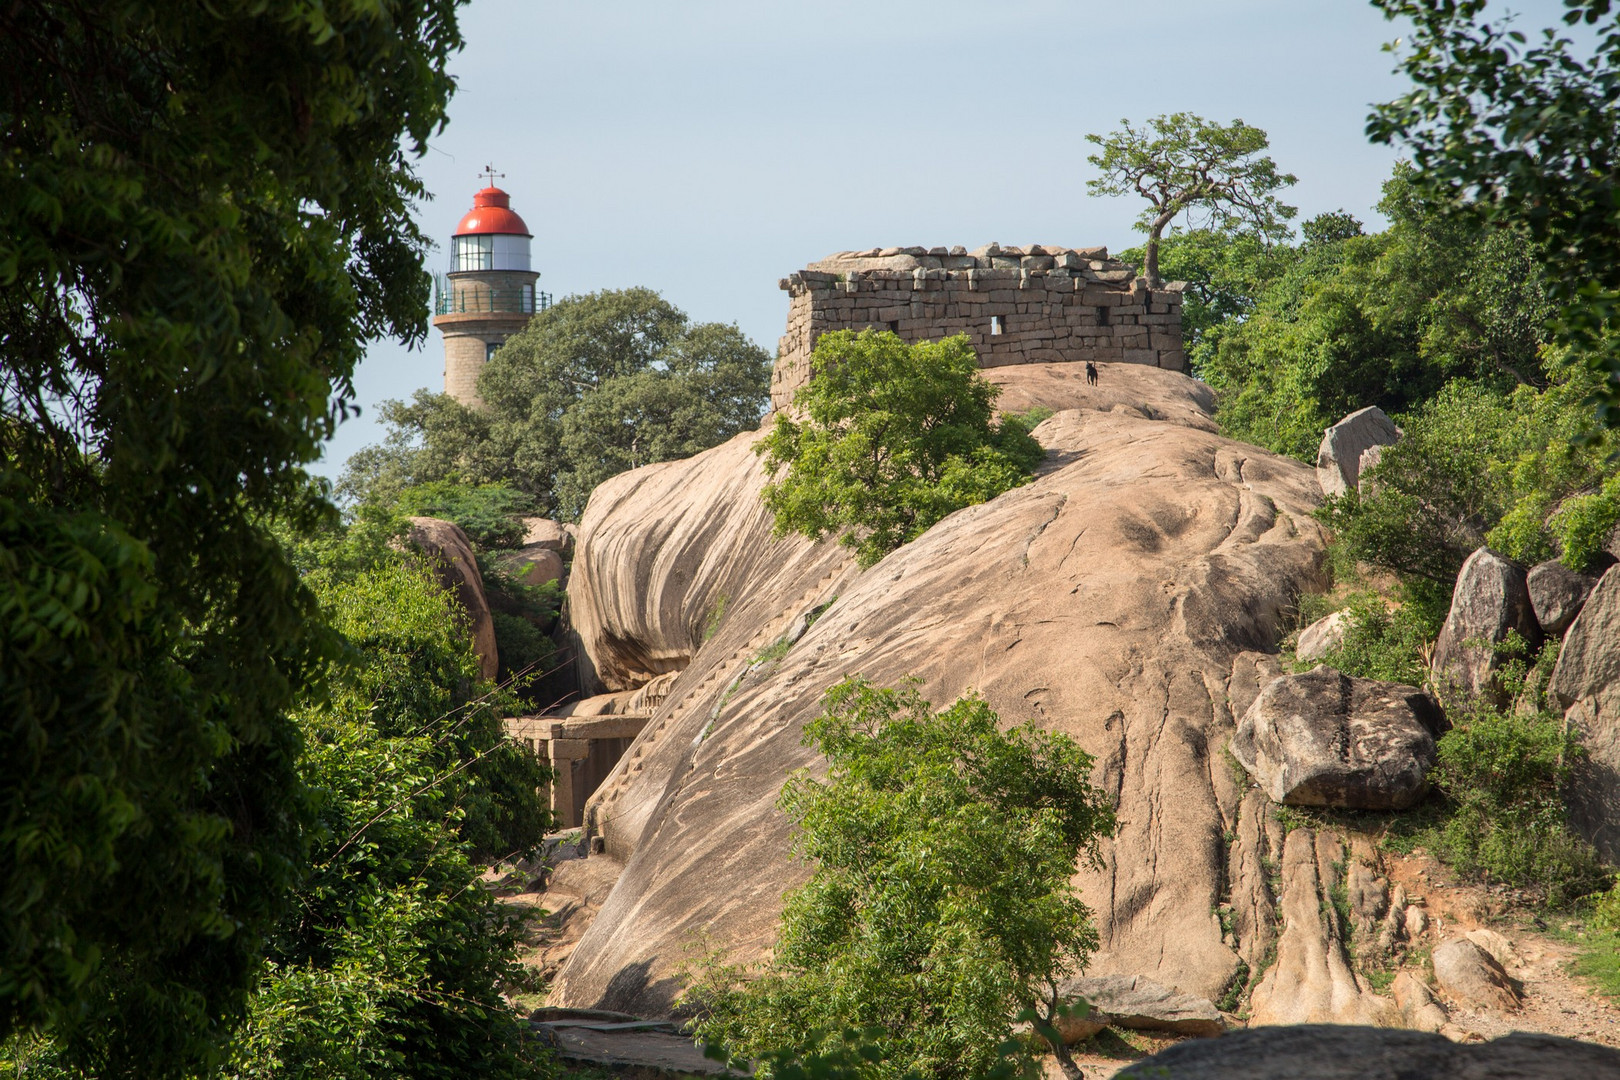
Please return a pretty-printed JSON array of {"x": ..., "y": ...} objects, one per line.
[
  {"x": 940, "y": 903},
  {"x": 595, "y": 385},
  {"x": 892, "y": 437},
  {"x": 1528, "y": 135},
  {"x": 1294, "y": 336},
  {"x": 1181, "y": 163},
  {"x": 205, "y": 213}
]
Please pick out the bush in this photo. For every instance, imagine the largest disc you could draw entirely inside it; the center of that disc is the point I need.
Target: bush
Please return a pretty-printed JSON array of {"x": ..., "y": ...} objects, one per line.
[
  {"x": 940, "y": 903},
  {"x": 893, "y": 437},
  {"x": 490, "y": 514},
  {"x": 396, "y": 960},
  {"x": 1478, "y": 467},
  {"x": 1503, "y": 775},
  {"x": 1385, "y": 642}
]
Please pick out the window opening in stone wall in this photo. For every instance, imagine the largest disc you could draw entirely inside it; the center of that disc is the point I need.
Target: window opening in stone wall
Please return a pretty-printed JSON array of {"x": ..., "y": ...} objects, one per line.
[
  {"x": 489, "y": 350},
  {"x": 1102, "y": 316},
  {"x": 894, "y": 326},
  {"x": 998, "y": 325}
]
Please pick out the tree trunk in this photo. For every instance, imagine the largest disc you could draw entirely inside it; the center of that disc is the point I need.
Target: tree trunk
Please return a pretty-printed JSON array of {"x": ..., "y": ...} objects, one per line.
[{"x": 1150, "y": 258}]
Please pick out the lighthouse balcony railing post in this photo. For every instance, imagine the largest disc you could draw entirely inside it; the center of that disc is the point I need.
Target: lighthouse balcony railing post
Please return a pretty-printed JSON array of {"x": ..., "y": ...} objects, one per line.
[{"x": 485, "y": 299}]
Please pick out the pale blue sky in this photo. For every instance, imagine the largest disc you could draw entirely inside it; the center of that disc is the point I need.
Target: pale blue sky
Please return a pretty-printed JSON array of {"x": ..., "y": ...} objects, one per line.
[{"x": 707, "y": 148}]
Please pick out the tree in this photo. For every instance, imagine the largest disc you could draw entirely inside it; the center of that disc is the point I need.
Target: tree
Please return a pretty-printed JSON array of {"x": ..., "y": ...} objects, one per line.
[
  {"x": 205, "y": 213},
  {"x": 393, "y": 960},
  {"x": 1528, "y": 136},
  {"x": 887, "y": 438},
  {"x": 1182, "y": 163},
  {"x": 1348, "y": 320},
  {"x": 940, "y": 904},
  {"x": 593, "y": 386}
]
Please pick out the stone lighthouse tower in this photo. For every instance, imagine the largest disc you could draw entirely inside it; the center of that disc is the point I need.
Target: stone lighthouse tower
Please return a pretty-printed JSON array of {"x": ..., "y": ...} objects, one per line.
[{"x": 489, "y": 293}]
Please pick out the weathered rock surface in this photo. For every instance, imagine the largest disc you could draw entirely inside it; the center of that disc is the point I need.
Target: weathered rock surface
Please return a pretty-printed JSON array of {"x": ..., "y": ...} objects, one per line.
[
  {"x": 1134, "y": 390},
  {"x": 450, "y": 555},
  {"x": 1556, "y": 595},
  {"x": 1471, "y": 976},
  {"x": 1327, "y": 739},
  {"x": 1491, "y": 599},
  {"x": 543, "y": 532},
  {"x": 669, "y": 554},
  {"x": 1338, "y": 459},
  {"x": 537, "y": 565},
  {"x": 1313, "y": 980},
  {"x": 1123, "y": 597},
  {"x": 1586, "y": 684},
  {"x": 1131, "y": 1001},
  {"x": 1420, "y": 1010},
  {"x": 1321, "y": 637},
  {"x": 1325, "y": 1052},
  {"x": 1370, "y": 457}
]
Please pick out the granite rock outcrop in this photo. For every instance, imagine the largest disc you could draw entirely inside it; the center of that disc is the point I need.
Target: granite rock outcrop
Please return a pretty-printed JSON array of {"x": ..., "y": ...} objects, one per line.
[{"x": 1130, "y": 596}]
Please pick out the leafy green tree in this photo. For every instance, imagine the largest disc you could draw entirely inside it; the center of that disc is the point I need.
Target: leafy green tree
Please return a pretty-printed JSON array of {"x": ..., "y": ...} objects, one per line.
[
  {"x": 490, "y": 514},
  {"x": 1526, "y": 135},
  {"x": 887, "y": 438},
  {"x": 593, "y": 386},
  {"x": 205, "y": 213},
  {"x": 393, "y": 961},
  {"x": 1476, "y": 467},
  {"x": 1385, "y": 320},
  {"x": 940, "y": 904},
  {"x": 1181, "y": 164}
]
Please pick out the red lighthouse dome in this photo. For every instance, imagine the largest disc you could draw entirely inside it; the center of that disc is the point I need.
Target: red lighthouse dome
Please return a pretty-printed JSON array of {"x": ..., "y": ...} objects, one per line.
[{"x": 492, "y": 215}]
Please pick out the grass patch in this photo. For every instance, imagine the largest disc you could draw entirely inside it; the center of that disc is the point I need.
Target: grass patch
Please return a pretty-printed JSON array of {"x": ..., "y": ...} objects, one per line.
[
  {"x": 716, "y": 616},
  {"x": 773, "y": 652}
]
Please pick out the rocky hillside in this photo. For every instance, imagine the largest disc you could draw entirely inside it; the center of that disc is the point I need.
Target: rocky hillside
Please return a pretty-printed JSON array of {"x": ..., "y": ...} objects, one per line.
[{"x": 1131, "y": 596}]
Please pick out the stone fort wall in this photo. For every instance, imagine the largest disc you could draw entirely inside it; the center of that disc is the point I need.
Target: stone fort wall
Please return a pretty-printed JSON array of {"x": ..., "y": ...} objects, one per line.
[{"x": 1040, "y": 304}]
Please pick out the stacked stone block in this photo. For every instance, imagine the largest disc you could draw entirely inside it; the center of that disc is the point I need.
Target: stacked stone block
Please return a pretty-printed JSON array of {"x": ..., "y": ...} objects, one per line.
[{"x": 1040, "y": 304}]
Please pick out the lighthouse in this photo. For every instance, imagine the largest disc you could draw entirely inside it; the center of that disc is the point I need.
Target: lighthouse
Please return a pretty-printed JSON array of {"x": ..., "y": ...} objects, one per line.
[{"x": 489, "y": 292}]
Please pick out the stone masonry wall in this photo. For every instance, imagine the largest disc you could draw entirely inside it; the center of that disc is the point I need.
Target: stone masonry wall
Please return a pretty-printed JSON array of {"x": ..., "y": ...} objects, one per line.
[{"x": 1039, "y": 304}]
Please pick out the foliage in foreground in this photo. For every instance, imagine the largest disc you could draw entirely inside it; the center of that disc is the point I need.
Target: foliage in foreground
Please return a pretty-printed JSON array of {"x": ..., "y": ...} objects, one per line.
[
  {"x": 593, "y": 386},
  {"x": 395, "y": 960},
  {"x": 940, "y": 904},
  {"x": 205, "y": 215},
  {"x": 890, "y": 438},
  {"x": 1523, "y": 131},
  {"x": 392, "y": 960}
]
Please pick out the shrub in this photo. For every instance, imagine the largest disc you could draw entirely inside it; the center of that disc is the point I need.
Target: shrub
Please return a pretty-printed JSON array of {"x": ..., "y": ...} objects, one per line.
[
  {"x": 940, "y": 903},
  {"x": 490, "y": 514},
  {"x": 890, "y": 438},
  {"x": 1503, "y": 775},
  {"x": 1384, "y": 642}
]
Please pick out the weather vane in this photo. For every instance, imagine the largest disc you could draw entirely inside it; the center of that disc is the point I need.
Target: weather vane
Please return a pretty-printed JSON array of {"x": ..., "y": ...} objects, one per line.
[{"x": 491, "y": 174}]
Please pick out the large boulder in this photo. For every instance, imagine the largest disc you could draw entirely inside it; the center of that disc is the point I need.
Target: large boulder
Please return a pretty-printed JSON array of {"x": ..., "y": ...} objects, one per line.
[
  {"x": 1490, "y": 601},
  {"x": 1128, "y": 597},
  {"x": 1586, "y": 684},
  {"x": 1324, "y": 738},
  {"x": 450, "y": 556},
  {"x": 545, "y": 533},
  {"x": 1338, "y": 459},
  {"x": 1328, "y": 1052},
  {"x": 1131, "y": 1001},
  {"x": 1556, "y": 595},
  {"x": 1472, "y": 977}
]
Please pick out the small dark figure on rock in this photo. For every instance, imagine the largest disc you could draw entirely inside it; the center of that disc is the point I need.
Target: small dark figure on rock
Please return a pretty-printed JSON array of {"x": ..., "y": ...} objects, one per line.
[{"x": 1091, "y": 373}]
